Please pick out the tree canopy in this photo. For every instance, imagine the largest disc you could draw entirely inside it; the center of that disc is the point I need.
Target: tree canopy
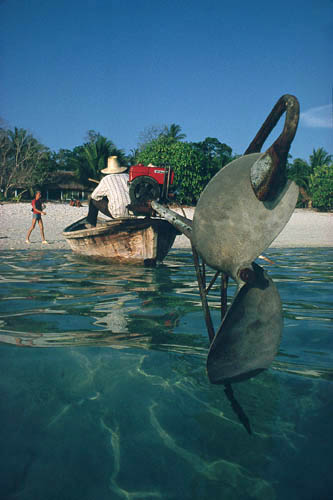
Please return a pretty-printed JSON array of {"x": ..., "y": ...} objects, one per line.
[
  {"x": 26, "y": 164},
  {"x": 173, "y": 132},
  {"x": 194, "y": 163},
  {"x": 192, "y": 170},
  {"x": 21, "y": 161},
  {"x": 314, "y": 179},
  {"x": 216, "y": 152},
  {"x": 92, "y": 157}
]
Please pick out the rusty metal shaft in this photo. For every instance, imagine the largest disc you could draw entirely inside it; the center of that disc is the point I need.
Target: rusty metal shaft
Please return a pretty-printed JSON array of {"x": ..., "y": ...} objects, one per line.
[{"x": 181, "y": 223}]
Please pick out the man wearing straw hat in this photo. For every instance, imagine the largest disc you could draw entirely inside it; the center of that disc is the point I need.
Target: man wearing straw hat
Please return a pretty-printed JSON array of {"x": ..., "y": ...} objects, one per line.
[{"x": 111, "y": 196}]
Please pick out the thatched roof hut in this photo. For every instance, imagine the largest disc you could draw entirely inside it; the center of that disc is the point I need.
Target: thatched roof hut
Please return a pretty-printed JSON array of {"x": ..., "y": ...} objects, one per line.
[{"x": 64, "y": 185}]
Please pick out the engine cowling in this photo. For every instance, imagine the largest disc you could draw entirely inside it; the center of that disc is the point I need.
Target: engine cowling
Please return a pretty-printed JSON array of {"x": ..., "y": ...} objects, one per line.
[
  {"x": 143, "y": 189},
  {"x": 148, "y": 183}
]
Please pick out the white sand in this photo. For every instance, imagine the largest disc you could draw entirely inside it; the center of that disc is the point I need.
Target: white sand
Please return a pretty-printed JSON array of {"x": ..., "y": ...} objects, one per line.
[{"x": 306, "y": 228}]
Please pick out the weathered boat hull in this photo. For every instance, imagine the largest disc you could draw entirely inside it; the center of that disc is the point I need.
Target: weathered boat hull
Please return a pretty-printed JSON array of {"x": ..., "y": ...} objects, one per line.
[{"x": 128, "y": 240}]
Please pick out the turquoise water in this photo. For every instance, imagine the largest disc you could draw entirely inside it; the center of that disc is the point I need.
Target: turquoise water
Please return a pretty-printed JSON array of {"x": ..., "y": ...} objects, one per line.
[{"x": 104, "y": 393}]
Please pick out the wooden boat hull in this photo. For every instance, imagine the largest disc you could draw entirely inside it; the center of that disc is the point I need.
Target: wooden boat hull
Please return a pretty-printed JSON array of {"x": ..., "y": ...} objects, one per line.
[{"x": 128, "y": 240}]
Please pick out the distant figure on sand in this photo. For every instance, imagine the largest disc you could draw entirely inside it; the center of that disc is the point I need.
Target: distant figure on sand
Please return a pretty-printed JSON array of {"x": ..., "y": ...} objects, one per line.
[
  {"x": 75, "y": 203},
  {"x": 111, "y": 196},
  {"x": 37, "y": 209}
]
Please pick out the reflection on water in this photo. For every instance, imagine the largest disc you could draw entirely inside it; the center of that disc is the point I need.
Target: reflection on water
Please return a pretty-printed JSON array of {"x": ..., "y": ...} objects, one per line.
[
  {"x": 66, "y": 300},
  {"x": 55, "y": 299},
  {"x": 123, "y": 408}
]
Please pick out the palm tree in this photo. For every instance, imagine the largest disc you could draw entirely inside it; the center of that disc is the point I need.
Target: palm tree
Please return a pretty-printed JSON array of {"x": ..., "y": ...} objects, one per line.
[
  {"x": 93, "y": 157},
  {"x": 319, "y": 157},
  {"x": 299, "y": 172},
  {"x": 132, "y": 156},
  {"x": 96, "y": 154},
  {"x": 173, "y": 132}
]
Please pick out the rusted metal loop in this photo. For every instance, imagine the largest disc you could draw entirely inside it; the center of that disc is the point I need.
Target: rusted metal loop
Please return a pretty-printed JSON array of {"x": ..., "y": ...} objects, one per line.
[
  {"x": 268, "y": 175},
  {"x": 289, "y": 104}
]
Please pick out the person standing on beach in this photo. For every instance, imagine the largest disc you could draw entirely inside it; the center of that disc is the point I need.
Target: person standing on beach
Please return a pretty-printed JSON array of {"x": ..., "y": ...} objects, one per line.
[
  {"x": 111, "y": 196},
  {"x": 37, "y": 209}
]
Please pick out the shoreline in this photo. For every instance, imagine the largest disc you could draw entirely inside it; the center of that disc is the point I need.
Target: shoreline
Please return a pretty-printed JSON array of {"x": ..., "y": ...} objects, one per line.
[{"x": 306, "y": 228}]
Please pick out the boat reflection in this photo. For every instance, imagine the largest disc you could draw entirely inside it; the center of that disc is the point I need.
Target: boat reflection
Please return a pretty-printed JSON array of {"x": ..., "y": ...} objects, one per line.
[{"x": 95, "y": 304}]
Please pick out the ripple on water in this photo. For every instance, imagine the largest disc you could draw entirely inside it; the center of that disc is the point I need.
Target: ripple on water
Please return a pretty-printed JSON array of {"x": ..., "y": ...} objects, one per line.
[
  {"x": 141, "y": 420},
  {"x": 59, "y": 299}
]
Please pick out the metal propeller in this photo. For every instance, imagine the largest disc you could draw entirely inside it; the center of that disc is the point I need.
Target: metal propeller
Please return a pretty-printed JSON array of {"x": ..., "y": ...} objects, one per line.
[
  {"x": 240, "y": 212},
  {"x": 249, "y": 336},
  {"x": 231, "y": 227}
]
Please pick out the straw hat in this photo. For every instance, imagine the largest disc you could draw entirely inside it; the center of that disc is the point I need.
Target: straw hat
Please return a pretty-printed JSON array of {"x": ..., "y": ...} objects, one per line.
[{"x": 113, "y": 166}]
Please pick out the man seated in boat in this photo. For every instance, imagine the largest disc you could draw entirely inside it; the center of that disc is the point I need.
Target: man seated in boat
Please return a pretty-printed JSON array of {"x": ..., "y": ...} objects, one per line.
[{"x": 111, "y": 196}]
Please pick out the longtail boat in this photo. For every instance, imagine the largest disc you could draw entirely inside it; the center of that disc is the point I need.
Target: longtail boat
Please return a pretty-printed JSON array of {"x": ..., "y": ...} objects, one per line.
[{"x": 131, "y": 240}]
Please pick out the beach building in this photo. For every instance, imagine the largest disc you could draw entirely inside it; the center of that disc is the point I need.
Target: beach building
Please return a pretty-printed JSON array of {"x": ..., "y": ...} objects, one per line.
[{"x": 64, "y": 185}]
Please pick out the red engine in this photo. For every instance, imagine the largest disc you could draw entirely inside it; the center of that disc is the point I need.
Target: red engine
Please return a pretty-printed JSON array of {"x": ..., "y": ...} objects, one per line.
[
  {"x": 149, "y": 183},
  {"x": 157, "y": 173}
]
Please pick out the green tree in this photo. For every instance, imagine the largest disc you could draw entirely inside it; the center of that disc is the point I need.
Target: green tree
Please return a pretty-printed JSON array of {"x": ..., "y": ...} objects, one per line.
[
  {"x": 169, "y": 134},
  {"x": 216, "y": 152},
  {"x": 132, "y": 157},
  {"x": 6, "y": 154},
  {"x": 92, "y": 136},
  {"x": 149, "y": 134},
  {"x": 42, "y": 172},
  {"x": 21, "y": 155},
  {"x": 91, "y": 158},
  {"x": 310, "y": 177},
  {"x": 96, "y": 154},
  {"x": 321, "y": 187},
  {"x": 299, "y": 172},
  {"x": 192, "y": 172},
  {"x": 65, "y": 159},
  {"x": 319, "y": 157},
  {"x": 173, "y": 132}
]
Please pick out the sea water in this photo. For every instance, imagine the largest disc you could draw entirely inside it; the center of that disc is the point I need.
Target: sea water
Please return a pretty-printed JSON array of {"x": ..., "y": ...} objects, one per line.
[{"x": 104, "y": 392}]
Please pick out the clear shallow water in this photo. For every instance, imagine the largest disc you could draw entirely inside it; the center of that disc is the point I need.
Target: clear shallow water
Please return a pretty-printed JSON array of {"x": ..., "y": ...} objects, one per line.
[{"x": 104, "y": 395}]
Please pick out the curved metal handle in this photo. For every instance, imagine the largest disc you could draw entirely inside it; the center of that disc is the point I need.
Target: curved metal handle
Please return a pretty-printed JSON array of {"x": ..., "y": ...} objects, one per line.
[
  {"x": 269, "y": 172},
  {"x": 289, "y": 104}
]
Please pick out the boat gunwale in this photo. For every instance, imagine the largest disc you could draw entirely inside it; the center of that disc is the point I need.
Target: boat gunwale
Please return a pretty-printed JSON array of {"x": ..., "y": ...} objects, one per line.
[{"x": 109, "y": 226}]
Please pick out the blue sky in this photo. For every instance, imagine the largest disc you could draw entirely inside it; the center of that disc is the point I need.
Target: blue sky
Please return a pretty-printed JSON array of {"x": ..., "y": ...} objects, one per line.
[{"x": 214, "y": 67}]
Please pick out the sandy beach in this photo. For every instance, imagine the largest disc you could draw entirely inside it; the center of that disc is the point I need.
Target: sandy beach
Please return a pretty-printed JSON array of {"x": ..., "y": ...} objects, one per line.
[{"x": 306, "y": 228}]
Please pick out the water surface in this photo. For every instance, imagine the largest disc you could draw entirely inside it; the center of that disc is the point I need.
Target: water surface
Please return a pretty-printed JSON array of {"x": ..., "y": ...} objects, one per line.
[{"x": 104, "y": 393}]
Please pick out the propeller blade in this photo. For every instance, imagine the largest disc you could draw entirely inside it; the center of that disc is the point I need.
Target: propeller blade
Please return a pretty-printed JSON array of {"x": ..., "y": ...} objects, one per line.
[
  {"x": 231, "y": 227},
  {"x": 250, "y": 334}
]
